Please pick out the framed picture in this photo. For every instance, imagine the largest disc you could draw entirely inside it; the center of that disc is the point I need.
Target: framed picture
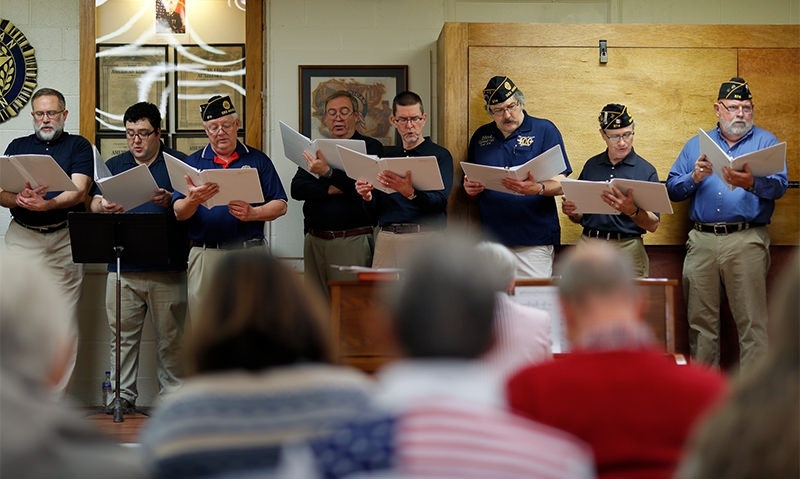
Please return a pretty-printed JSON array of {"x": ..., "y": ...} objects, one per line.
[
  {"x": 373, "y": 86},
  {"x": 188, "y": 143},
  {"x": 128, "y": 74},
  {"x": 202, "y": 72},
  {"x": 111, "y": 145}
]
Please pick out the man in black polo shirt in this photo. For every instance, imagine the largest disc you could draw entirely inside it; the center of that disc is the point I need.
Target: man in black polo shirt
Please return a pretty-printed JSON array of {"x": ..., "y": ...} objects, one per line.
[
  {"x": 618, "y": 161},
  {"x": 407, "y": 215},
  {"x": 39, "y": 225},
  {"x": 338, "y": 230}
]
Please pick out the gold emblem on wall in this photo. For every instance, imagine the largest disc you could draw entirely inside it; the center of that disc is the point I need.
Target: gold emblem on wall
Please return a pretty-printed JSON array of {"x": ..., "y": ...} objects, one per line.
[{"x": 18, "y": 70}]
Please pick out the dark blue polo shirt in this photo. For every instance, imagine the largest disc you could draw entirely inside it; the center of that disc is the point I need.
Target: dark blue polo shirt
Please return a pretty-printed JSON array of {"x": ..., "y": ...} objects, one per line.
[
  {"x": 514, "y": 220},
  {"x": 73, "y": 153},
  {"x": 600, "y": 168},
  {"x": 177, "y": 241}
]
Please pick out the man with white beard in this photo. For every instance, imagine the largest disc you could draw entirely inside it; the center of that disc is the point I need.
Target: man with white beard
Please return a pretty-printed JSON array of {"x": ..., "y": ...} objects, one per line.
[
  {"x": 39, "y": 216},
  {"x": 728, "y": 245}
]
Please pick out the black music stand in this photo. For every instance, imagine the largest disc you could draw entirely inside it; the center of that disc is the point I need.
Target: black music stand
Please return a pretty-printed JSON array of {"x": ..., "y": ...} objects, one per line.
[{"x": 132, "y": 238}]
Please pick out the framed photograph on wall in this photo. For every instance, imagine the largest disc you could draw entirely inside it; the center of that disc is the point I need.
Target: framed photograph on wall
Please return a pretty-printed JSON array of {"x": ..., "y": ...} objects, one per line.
[
  {"x": 373, "y": 86},
  {"x": 205, "y": 71},
  {"x": 128, "y": 74},
  {"x": 111, "y": 145}
]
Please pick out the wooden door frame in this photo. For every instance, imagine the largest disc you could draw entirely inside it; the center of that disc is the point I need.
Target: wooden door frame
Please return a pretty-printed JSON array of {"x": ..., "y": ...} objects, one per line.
[{"x": 254, "y": 79}]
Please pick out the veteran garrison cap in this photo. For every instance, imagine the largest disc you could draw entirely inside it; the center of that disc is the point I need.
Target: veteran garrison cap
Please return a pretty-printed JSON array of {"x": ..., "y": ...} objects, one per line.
[
  {"x": 614, "y": 116},
  {"x": 735, "y": 89},
  {"x": 498, "y": 90},
  {"x": 216, "y": 107}
]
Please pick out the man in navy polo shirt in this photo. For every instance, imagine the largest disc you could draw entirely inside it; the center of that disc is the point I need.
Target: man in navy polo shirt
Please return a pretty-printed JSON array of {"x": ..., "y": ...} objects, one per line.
[
  {"x": 527, "y": 222},
  {"x": 158, "y": 291},
  {"x": 618, "y": 161},
  {"x": 39, "y": 225},
  {"x": 214, "y": 231}
]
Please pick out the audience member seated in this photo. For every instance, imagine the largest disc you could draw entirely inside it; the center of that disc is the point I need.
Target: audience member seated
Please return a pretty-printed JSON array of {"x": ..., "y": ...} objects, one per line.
[
  {"x": 42, "y": 435},
  {"x": 439, "y": 411},
  {"x": 522, "y": 332},
  {"x": 616, "y": 390},
  {"x": 259, "y": 374},
  {"x": 756, "y": 432}
]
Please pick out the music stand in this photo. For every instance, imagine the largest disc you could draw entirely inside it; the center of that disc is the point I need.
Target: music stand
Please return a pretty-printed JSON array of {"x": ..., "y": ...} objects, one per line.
[{"x": 136, "y": 239}]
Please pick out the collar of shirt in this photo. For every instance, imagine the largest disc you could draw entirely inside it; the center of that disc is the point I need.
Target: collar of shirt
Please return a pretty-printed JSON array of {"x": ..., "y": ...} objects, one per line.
[
  {"x": 628, "y": 335},
  {"x": 225, "y": 164}
]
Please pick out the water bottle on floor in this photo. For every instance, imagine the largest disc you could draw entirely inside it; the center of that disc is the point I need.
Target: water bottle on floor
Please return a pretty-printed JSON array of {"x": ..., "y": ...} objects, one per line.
[{"x": 108, "y": 395}]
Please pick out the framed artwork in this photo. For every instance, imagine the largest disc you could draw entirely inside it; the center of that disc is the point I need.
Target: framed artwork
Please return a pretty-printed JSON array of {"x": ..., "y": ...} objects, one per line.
[
  {"x": 373, "y": 86},
  {"x": 205, "y": 71},
  {"x": 188, "y": 143},
  {"x": 170, "y": 16},
  {"x": 111, "y": 145},
  {"x": 128, "y": 74}
]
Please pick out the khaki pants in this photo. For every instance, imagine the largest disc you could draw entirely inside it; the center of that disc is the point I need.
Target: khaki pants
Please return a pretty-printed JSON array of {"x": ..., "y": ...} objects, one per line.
[
  {"x": 392, "y": 250},
  {"x": 634, "y": 249},
  {"x": 319, "y": 254},
  {"x": 739, "y": 262},
  {"x": 55, "y": 252},
  {"x": 534, "y": 261},
  {"x": 160, "y": 295}
]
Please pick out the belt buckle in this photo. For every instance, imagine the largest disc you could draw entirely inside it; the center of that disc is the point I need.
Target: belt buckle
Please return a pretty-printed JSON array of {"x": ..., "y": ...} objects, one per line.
[{"x": 720, "y": 229}]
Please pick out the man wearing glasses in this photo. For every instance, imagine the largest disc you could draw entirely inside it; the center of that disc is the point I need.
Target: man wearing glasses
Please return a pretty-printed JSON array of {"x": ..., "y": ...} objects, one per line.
[
  {"x": 728, "y": 245},
  {"x": 338, "y": 230},
  {"x": 157, "y": 291},
  {"x": 527, "y": 222},
  {"x": 618, "y": 161},
  {"x": 408, "y": 215},
  {"x": 213, "y": 232},
  {"x": 39, "y": 225}
]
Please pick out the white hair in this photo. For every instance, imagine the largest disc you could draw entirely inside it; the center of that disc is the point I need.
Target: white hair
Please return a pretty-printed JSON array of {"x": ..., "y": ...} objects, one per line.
[
  {"x": 35, "y": 320},
  {"x": 503, "y": 261}
]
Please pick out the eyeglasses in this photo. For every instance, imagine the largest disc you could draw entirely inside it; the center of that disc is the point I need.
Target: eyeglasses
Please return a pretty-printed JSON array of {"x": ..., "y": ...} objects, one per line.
[
  {"x": 511, "y": 108},
  {"x": 214, "y": 129},
  {"x": 412, "y": 120},
  {"x": 344, "y": 113},
  {"x": 139, "y": 134},
  {"x": 746, "y": 109},
  {"x": 49, "y": 114},
  {"x": 625, "y": 136}
]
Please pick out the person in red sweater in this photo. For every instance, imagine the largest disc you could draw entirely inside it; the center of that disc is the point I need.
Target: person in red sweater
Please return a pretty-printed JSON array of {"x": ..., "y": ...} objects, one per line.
[{"x": 616, "y": 390}]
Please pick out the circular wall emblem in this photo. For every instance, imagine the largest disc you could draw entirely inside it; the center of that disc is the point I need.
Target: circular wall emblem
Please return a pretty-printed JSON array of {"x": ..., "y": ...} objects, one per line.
[{"x": 17, "y": 70}]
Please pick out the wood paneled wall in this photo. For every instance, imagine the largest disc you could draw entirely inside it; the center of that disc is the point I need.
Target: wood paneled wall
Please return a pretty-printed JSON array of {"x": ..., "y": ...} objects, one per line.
[{"x": 668, "y": 75}]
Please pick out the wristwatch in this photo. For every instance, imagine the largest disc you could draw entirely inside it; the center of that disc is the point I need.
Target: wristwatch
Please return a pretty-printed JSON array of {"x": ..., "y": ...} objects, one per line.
[{"x": 412, "y": 195}]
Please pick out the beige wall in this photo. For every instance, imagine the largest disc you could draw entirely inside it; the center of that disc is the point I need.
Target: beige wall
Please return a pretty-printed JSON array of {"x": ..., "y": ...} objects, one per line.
[{"x": 328, "y": 32}]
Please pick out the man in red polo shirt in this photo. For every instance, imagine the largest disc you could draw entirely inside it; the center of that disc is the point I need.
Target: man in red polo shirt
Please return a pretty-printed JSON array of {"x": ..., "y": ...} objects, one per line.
[{"x": 616, "y": 390}]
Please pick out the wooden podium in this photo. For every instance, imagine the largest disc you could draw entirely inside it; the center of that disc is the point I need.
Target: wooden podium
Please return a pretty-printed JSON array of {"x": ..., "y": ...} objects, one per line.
[{"x": 357, "y": 311}]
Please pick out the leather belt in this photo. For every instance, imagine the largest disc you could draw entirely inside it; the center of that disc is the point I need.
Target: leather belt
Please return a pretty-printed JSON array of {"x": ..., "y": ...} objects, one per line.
[
  {"x": 251, "y": 243},
  {"x": 329, "y": 235},
  {"x": 406, "y": 228},
  {"x": 43, "y": 229},
  {"x": 608, "y": 235},
  {"x": 720, "y": 229}
]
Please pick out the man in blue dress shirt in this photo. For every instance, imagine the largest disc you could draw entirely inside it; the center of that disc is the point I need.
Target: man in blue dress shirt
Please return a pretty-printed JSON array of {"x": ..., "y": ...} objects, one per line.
[{"x": 728, "y": 245}]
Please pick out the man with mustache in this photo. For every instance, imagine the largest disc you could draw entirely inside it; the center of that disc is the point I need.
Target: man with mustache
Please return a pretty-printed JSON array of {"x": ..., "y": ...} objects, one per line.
[
  {"x": 39, "y": 216},
  {"x": 526, "y": 222},
  {"x": 618, "y": 161},
  {"x": 728, "y": 245}
]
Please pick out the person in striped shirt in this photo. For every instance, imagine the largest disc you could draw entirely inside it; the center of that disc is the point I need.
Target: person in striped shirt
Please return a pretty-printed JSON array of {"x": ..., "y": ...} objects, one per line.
[{"x": 439, "y": 411}]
